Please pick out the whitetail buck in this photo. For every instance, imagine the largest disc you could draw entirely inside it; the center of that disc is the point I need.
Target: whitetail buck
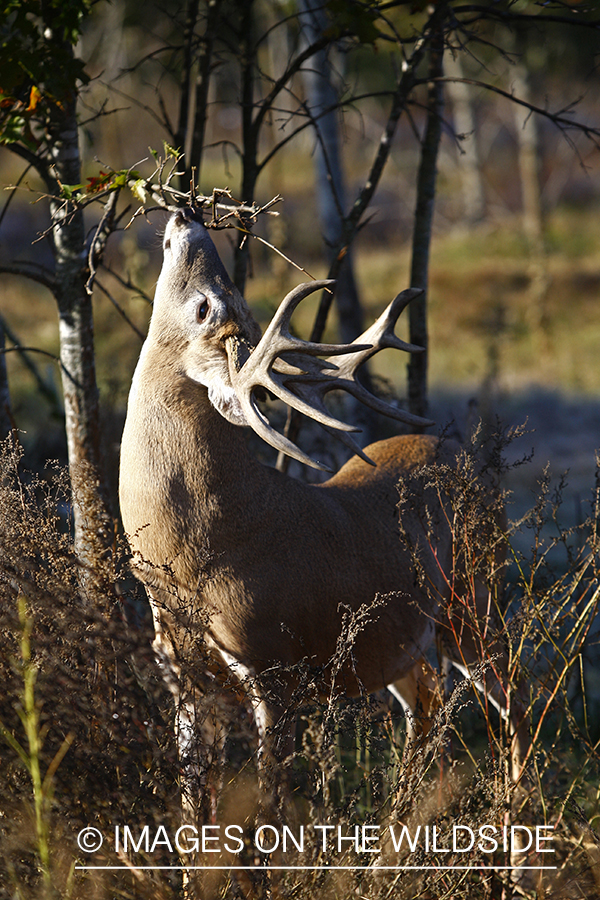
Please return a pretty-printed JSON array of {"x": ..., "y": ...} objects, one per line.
[{"x": 271, "y": 569}]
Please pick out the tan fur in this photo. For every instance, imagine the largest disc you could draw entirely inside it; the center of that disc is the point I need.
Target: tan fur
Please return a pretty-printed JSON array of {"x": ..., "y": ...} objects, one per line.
[{"x": 275, "y": 565}]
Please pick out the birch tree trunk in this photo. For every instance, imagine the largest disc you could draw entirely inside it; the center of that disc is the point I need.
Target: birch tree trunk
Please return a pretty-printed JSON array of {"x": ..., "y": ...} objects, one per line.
[
  {"x": 469, "y": 165},
  {"x": 92, "y": 522},
  {"x": 531, "y": 193}
]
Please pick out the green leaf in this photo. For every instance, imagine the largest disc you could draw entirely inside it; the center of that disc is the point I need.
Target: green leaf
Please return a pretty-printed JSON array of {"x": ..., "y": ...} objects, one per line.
[
  {"x": 14, "y": 743},
  {"x": 67, "y": 191},
  {"x": 12, "y": 131},
  {"x": 171, "y": 151}
]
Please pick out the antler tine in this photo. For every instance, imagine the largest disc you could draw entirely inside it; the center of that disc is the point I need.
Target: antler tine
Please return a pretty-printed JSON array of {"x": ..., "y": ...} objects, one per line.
[
  {"x": 351, "y": 443},
  {"x": 259, "y": 370},
  {"x": 342, "y": 376},
  {"x": 277, "y": 338},
  {"x": 263, "y": 428},
  {"x": 290, "y": 369},
  {"x": 381, "y": 335}
]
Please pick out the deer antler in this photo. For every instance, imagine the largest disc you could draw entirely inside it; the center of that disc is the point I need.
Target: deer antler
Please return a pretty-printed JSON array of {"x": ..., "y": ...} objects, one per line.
[{"x": 293, "y": 370}]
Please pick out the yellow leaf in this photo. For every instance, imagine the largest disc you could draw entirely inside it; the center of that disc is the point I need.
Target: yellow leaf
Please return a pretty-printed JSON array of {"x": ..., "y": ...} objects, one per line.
[
  {"x": 138, "y": 190},
  {"x": 35, "y": 95}
]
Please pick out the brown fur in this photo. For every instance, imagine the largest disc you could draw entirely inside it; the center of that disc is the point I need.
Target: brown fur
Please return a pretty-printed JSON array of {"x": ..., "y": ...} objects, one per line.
[{"x": 273, "y": 564}]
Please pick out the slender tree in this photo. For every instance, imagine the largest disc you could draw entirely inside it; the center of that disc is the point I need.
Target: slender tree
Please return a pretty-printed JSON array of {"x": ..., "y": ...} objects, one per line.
[
  {"x": 324, "y": 107},
  {"x": 423, "y": 221},
  {"x": 39, "y": 124},
  {"x": 198, "y": 45}
]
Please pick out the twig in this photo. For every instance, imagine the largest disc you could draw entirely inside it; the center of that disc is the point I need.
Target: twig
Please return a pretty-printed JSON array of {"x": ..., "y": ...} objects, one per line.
[
  {"x": 562, "y": 123},
  {"x": 121, "y": 311},
  {"x": 262, "y": 240},
  {"x": 128, "y": 284},
  {"x": 46, "y": 389},
  {"x": 32, "y": 270},
  {"x": 103, "y": 232}
]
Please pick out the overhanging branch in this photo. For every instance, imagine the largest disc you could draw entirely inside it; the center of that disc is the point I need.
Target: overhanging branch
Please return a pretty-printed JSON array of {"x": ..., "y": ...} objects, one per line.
[
  {"x": 33, "y": 271},
  {"x": 563, "y": 123}
]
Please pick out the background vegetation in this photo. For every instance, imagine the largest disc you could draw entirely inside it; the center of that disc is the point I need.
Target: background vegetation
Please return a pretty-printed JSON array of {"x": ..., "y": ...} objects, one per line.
[{"x": 511, "y": 268}]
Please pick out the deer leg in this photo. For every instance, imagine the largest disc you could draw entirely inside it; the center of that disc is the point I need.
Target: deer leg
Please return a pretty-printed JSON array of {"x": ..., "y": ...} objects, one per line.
[
  {"x": 419, "y": 695},
  {"x": 199, "y": 733},
  {"x": 270, "y": 707},
  {"x": 201, "y": 737}
]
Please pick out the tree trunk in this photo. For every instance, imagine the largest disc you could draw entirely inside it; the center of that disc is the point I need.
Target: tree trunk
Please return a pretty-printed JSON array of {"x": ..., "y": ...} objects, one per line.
[
  {"x": 193, "y": 112},
  {"x": 250, "y": 133},
  {"x": 469, "y": 165},
  {"x": 5, "y": 415},
  {"x": 426, "y": 178},
  {"x": 531, "y": 192},
  {"x": 92, "y": 521},
  {"x": 323, "y": 102}
]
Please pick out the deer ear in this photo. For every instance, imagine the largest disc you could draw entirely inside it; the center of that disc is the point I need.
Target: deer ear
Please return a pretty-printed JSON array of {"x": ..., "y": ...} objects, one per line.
[
  {"x": 224, "y": 399},
  {"x": 213, "y": 373}
]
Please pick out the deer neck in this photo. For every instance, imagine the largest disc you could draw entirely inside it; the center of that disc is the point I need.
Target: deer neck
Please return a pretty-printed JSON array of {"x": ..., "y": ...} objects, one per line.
[{"x": 183, "y": 463}]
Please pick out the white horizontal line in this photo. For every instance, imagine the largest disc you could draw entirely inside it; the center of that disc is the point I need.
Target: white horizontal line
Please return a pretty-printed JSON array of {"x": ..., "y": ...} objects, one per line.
[{"x": 325, "y": 868}]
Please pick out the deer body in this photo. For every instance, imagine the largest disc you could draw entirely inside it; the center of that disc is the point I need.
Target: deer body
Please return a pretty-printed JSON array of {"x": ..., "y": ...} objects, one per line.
[
  {"x": 269, "y": 566},
  {"x": 284, "y": 558}
]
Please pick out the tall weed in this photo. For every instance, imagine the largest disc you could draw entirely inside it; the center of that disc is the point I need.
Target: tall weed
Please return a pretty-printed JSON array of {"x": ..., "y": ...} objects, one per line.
[{"x": 87, "y": 727}]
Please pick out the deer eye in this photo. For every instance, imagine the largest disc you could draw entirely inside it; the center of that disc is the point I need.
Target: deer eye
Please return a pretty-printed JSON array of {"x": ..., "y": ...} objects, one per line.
[{"x": 202, "y": 310}]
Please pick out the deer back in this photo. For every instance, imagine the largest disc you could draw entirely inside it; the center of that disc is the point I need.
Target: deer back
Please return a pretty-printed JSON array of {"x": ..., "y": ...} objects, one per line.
[{"x": 272, "y": 568}]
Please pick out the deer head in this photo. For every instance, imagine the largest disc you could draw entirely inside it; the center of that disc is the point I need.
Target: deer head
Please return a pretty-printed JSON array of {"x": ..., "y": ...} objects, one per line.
[
  {"x": 197, "y": 307},
  {"x": 199, "y": 312}
]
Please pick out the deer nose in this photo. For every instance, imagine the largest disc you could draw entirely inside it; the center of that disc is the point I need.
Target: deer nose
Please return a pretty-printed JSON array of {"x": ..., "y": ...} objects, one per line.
[{"x": 186, "y": 215}]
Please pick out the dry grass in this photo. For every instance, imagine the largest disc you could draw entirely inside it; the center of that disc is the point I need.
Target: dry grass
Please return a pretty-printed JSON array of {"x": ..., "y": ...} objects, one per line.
[{"x": 87, "y": 732}]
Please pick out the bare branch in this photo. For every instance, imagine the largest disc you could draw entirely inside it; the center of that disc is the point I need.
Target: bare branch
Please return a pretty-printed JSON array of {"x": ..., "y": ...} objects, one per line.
[
  {"x": 13, "y": 188},
  {"x": 36, "y": 161},
  {"x": 98, "y": 243},
  {"x": 128, "y": 284},
  {"x": 33, "y": 271},
  {"x": 262, "y": 240},
  {"x": 47, "y": 389},
  {"x": 148, "y": 109},
  {"x": 563, "y": 123},
  {"x": 511, "y": 18},
  {"x": 294, "y": 66},
  {"x": 120, "y": 310}
]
